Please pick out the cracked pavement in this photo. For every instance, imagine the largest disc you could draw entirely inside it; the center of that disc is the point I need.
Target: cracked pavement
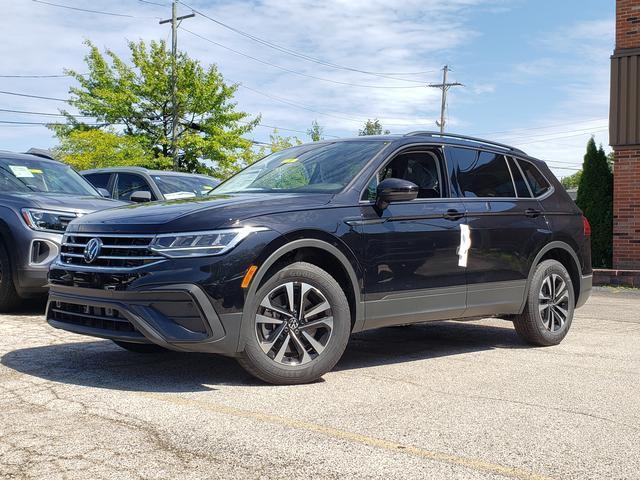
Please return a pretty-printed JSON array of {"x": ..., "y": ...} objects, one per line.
[{"x": 440, "y": 400}]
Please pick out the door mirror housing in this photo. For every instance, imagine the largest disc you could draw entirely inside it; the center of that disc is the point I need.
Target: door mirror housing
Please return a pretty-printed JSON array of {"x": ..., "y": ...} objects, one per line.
[
  {"x": 395, "y": 190},
  {"x": 140, "y": 196},
  {"x": 104, "y": 192}
]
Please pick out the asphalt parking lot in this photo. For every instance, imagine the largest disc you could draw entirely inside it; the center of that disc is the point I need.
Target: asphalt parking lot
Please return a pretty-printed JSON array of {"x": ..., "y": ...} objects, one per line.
[{"x": 442, "y": 400}]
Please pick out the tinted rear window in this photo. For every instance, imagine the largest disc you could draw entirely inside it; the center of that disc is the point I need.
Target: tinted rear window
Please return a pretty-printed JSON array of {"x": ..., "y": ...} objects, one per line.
[
  {"x": 537, "y": 182},
  {"x": 484, "y": 176}
]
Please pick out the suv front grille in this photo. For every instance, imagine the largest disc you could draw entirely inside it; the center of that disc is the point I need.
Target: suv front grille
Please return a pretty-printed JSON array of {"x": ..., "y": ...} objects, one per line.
[
  {"x": 117, "y": 251},
  {"x": 101, "y": 318}
]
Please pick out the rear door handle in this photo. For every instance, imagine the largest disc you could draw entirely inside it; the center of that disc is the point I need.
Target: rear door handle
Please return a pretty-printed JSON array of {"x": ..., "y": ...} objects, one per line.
[
  {"x": 453, "y": 214},
  {"x": 532, "y": 212}
]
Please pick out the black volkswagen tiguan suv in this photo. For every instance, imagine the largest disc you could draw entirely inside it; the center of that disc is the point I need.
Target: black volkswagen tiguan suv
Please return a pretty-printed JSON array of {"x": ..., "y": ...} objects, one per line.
[{"x": 286, "y": 259}]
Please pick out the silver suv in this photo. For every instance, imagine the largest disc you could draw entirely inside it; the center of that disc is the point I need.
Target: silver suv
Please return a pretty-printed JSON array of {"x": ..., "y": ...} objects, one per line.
[{"x": 39, "y": 196}]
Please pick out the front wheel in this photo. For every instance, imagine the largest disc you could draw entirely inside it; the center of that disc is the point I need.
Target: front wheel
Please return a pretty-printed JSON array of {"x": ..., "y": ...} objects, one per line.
[
  {"x": 300, "y": 326},
  {"x": 547, "y": 316}
]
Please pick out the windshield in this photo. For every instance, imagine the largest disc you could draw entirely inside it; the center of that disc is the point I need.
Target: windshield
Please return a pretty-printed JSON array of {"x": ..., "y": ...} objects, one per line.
[
  {"x": 179, "y": 186},
  {"x": 322, "y": 168},
  {"x": 35, "y": 175}
]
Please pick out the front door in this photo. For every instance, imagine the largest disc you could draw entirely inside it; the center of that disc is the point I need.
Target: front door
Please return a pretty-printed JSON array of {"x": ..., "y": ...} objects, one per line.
[{"x": 412, "y": 267}]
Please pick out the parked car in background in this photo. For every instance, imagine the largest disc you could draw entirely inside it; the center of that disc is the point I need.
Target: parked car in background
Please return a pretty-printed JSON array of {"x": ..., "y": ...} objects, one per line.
[
  {"x": 137, "y": 184},
  {"x": 39, "y": 196},
  {"x": 283, "y": 261}
]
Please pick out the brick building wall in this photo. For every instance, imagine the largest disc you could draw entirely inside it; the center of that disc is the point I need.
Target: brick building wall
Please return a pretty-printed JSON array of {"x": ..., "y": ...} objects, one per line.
[
  {"x": 626, "y": 208},
  {"x": 627, "y": 24}
]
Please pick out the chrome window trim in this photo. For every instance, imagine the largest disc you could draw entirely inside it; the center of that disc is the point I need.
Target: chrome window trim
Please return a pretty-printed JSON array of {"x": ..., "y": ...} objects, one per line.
[
  {"x": 515, "y": 160},
  {"x": 551, "y": 189}
]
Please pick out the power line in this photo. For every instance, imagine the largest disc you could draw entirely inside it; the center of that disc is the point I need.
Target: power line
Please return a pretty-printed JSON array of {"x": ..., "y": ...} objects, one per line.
[
  {"x": 4, "y": 92},
  {"x": 305, "y": 56},
  {"x": 581, "y": 131},
  {"x": 86, "y": 10},
  {"x": 515, "y": 130},
  {"x": 237, "y": 52},
  {"x": 27, "y": 112},
  {"x": 34, "y": 76}
]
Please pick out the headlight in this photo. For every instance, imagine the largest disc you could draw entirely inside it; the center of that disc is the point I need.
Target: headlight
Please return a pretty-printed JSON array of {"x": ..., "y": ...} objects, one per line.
[
  {"x": 200, "y": 244},
  {"x": 47, "y": 220}
]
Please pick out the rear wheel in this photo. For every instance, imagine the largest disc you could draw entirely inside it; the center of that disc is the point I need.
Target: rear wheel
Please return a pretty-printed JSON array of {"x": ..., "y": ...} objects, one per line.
[
  {"x": 140, "y": 347},
  {"x": 548, "y": 314},
  {"x": 9, "y": 298},
  {"x": 300, "y": 326}
]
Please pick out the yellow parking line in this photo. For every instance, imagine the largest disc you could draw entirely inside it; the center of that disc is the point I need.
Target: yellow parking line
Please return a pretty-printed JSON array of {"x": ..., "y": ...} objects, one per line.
[{"x": 470, "y": 463}]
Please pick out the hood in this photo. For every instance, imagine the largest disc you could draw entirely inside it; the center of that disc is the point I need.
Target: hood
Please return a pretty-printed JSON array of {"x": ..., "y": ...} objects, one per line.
[
  {"x": 193, "y": 214},
  {"x": 58, "y": 201}
]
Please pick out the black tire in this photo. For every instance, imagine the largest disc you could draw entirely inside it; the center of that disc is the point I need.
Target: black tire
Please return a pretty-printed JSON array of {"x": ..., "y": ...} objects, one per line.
[
  {"x": 265, "y": 366},
  {"x": 140, "y": 347},
  {"x": 545, "y": 328},
  {"x": 9, "y": 299}
]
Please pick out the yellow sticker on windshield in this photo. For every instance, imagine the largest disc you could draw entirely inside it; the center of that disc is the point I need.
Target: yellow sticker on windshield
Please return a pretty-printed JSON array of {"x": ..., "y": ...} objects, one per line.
[
  {"x": 35, "y": 170},
  {"x": 288, "y": 160}
]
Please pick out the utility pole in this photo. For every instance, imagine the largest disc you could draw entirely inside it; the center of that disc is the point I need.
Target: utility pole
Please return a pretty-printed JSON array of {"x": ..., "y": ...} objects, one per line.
[
  {"x": 174, "y": 77},
  {"x": 444, "y": 86}
]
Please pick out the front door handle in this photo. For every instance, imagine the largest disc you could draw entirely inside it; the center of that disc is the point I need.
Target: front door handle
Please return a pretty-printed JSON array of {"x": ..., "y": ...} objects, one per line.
[
  {"x": 453, "y": 214},
  {"x": 532, "y": 212}
]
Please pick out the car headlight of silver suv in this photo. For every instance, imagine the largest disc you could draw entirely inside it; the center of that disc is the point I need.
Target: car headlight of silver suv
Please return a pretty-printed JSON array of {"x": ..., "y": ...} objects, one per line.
[
  {"x": 47, "y": 220},
  {"x": 200, "y": 244}
]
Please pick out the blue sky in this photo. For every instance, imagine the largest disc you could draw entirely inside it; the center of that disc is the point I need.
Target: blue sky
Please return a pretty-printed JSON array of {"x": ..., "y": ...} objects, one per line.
[{"x": 536, "y": 73}]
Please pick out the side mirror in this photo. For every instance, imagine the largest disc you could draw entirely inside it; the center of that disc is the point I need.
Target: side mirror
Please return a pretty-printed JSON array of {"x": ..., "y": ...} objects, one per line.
[
  {"x": 394, "y": 190},
  {"x": 140, "y": 196},
  {"x": 104, "y": 192}
]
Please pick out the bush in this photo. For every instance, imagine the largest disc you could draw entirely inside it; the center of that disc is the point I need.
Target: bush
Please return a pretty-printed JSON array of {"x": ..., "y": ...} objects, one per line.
[{"x": 595, "y": 198}]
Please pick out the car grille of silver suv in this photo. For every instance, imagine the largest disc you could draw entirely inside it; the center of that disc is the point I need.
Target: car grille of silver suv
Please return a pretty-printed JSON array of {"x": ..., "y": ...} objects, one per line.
[{"x": 116, "y": 251}]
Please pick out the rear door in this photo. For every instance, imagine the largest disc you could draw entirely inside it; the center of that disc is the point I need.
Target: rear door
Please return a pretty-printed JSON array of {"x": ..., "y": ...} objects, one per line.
[
  {"x": 507, "y": 229},
  {"x": 411, "y": 262}
]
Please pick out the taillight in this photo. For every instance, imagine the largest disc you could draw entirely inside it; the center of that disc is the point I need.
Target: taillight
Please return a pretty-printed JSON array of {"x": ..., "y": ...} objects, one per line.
[{"x": 586, "y": 226}]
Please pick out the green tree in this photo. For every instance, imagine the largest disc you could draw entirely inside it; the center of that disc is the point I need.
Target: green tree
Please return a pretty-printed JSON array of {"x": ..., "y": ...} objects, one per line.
[
  {"x": 132, "y": 101},
  {"x": 373, "y": 127},
  {"x": 316, "y": 132},
  {"x": 595, "y": 198},
  {"x": 276, "y": 143},
  {"x": 572, "y": 181},
  {"x": 95, "y": 148}
]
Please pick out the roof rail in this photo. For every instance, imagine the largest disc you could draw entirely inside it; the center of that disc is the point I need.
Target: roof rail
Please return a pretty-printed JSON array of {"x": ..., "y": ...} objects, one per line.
[
  {"x": 427, "y": 133},
  {"x": 40, "y": 152}
]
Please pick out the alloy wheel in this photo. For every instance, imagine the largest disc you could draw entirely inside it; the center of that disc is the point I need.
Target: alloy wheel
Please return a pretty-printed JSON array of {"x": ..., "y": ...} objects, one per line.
[
  {"x": 554, "y": 302},
  {"x": 294, "y": 323}
]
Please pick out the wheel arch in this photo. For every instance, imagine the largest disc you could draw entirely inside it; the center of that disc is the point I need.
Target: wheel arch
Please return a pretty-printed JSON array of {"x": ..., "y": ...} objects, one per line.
[
  {"x": 563, "y": 253},
  {"x": 317, "y": 252}
]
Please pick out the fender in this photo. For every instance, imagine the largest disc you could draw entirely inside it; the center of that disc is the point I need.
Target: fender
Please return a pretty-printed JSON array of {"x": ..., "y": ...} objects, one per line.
[
  {"x": 548, "y": 247},
  {"x": 279, "y": 253}
]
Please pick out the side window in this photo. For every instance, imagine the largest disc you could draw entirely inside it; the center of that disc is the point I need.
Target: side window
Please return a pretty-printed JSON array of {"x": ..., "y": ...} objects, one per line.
[
  {"x": 537, "y": 182},
  {"x": 521, "y": 185},
  {"x": 421, "y": 168},
  {"x": 485, "y": 177},
  {"x": 99, "y": 180},
  {"x": 128, "y": 183}
]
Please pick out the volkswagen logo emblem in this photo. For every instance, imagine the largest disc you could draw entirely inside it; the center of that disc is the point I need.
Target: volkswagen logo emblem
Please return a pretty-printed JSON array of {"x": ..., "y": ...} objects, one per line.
[{"x": 92, "y": 250}]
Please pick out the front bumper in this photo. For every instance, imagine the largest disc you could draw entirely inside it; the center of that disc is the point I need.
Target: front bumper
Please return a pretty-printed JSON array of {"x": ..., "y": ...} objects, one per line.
[{"x": 178, "y": 317}]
